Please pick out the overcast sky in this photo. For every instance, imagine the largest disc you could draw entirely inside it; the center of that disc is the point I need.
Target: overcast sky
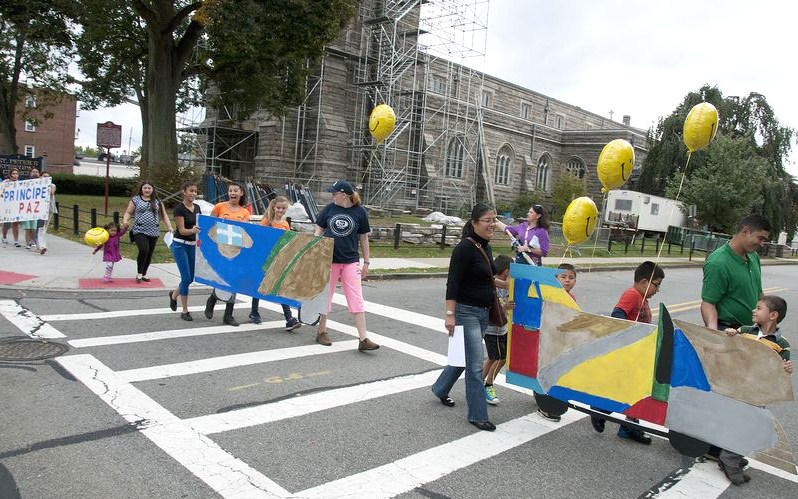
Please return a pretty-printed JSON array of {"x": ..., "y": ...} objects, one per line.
[{"x": 631, "y": 57}]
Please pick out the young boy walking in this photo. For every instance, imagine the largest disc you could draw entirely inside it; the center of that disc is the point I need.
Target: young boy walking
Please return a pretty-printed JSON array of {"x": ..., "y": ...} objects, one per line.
[
  {"x": 496, "y": 336},
  {"x": 633, "y": 306},
  {"x": 768, "y": 313},
  {"x": 567, "y": 280}
]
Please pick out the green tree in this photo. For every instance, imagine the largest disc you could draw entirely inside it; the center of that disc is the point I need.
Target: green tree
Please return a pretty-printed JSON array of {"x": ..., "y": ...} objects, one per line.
[
  {"x": 566, "y": 188},
  {"x": 749, "y": 119},
  {"x": 249, "y": 54},
  {"x": 726, "y": 187},
  {"x": 35, "y": 47}
]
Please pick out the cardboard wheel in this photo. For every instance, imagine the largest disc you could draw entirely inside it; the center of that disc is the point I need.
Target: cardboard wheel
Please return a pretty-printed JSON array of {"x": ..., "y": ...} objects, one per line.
[
  {"x": 686, "y": 445},
  {"x": 550, "y": 405}
]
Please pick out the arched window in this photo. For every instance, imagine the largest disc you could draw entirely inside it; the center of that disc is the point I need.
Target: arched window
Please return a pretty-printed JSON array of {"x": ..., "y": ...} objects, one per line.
[
  {"x": 542, "y": 183},
  {"x": 503, "y": 163},
  {"x": 455, "y": 157},
  {"x": 576, "y": 167}
]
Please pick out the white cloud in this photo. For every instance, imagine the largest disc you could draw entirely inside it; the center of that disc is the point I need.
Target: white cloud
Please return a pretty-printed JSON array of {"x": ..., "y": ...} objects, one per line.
[
  {"x": 631, "y": 57},
  {"x": 642, "y": 58}
]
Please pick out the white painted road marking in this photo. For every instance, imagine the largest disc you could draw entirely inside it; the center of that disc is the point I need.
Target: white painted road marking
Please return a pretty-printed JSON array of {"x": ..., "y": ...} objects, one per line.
[
  {"x": 27, "y": 322},
  {"x": 231, "y": 361},
  {"x": 171, "y": 334},
  {"x": 223, "y": 472},
  {"x": 187, "y": 441}
]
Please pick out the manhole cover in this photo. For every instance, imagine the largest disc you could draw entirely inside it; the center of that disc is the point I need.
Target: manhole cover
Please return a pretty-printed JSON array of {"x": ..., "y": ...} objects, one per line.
[{"x": 22, "y": 349}]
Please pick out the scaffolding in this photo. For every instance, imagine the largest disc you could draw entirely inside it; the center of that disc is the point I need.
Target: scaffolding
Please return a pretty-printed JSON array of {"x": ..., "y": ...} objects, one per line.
[{"x": 413, "y": 57}]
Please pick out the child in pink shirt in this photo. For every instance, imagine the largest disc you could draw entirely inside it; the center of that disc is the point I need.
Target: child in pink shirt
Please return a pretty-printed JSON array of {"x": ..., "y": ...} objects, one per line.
[{"x": 110, "y": 249}]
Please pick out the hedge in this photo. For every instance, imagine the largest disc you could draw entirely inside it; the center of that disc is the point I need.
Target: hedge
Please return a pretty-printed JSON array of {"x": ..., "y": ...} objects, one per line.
[{"x": 89, "y": 185}]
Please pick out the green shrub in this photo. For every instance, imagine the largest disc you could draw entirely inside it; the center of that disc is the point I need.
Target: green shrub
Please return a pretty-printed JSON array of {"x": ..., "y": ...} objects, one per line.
[{"x": 88, "y": 185}]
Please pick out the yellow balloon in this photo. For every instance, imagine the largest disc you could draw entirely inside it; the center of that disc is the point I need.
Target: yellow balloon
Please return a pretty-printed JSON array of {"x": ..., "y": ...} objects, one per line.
[
  {"x": 615, "y": 164},
  {"x": 96, "y": 236},
  {"x": 579, "y": 221},
  {"x": 382, "y": 121},
  {"x": 700, "y": 126}
]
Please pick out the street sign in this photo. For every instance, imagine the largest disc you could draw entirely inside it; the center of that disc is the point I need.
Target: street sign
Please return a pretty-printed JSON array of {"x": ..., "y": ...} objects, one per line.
[{"x": 109, "y": 135}]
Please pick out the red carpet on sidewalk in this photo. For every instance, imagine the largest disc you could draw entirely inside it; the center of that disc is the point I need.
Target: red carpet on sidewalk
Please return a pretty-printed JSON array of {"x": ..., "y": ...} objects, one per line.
[
  {"x": 11, "y": 278},
  {"x": 120, "y": 282}
]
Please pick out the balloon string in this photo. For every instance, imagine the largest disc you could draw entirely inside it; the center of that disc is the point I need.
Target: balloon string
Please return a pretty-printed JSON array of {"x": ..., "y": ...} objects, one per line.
[
  {"x": 596, "y": 233},
  {"x": 670, "y": 217}
]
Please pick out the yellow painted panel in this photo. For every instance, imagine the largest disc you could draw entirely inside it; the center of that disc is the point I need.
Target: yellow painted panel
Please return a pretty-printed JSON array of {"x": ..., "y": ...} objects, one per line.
[
  {"x": 624, "y": 375},
  {"x": 558, "y": 295}
]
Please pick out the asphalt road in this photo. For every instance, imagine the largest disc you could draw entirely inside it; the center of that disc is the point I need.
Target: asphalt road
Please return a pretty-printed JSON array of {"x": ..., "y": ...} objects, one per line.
[{"x": 146, "y": 405}]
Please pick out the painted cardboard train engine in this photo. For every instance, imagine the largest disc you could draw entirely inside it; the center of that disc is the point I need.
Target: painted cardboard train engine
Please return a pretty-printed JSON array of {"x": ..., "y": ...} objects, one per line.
[{"x": 701, "y": 385}]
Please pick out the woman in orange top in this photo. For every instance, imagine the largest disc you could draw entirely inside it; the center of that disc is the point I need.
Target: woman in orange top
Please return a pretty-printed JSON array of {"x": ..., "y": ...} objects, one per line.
[
  {"x": 235, "y": 208},
  {"x": 275, "y": 217}
]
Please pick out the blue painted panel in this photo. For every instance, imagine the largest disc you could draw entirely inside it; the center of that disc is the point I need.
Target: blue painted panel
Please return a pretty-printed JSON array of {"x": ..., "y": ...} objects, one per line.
[
  {"x": 566, "y": 394},
  {"x": 687, "y": 369}
]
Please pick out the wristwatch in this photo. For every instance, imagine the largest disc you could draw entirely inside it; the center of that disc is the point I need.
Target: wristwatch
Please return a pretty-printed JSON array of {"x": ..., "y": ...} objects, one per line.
[{"x": 449, "y": 312}]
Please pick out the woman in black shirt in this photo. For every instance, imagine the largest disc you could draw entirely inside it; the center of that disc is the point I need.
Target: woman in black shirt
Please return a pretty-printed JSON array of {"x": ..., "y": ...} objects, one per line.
[
  {"x": 469, "y": 295},
  {"x": 184, "y": 246}
]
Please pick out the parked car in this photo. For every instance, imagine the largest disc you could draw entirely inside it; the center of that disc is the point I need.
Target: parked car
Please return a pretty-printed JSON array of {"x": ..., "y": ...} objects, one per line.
[{"x": 79, "y": 155}]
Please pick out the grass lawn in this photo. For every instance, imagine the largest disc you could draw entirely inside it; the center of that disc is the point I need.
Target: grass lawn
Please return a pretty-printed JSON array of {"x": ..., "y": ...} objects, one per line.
[{"x": 379, "y": 249}]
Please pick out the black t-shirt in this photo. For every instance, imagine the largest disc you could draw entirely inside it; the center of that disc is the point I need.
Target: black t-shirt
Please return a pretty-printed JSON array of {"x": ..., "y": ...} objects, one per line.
[
  {"x": 344, "y": 225},
  {"x": 189, "y": 220}
]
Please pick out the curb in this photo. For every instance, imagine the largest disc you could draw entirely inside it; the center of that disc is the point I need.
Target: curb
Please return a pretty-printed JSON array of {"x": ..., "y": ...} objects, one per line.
[{"x": 376, "y": 275}]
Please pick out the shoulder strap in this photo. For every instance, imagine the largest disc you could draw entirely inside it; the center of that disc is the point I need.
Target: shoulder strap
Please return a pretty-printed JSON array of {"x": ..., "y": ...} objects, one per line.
[{"x": 481, "y": 250}]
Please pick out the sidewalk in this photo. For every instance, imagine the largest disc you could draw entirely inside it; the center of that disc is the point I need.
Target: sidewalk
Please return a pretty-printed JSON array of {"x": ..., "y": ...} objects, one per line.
[{"x": 69, "y": 265}]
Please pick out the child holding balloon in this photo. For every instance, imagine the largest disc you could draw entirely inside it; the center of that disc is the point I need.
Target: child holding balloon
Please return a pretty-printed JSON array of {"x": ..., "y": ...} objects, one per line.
[{"x": 110, "y": 248}]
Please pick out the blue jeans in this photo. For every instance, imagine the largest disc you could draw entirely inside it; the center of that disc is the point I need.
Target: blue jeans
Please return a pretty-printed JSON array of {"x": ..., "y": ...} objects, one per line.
[
  {"x": 184, "y": 256},
  {"x": 474, "y": 321}
]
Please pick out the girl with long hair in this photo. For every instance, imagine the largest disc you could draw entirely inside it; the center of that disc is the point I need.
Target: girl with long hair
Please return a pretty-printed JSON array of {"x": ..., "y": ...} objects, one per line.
[
  {"x": 275, "y": 217},
  {"x": 148, "y": 211}
]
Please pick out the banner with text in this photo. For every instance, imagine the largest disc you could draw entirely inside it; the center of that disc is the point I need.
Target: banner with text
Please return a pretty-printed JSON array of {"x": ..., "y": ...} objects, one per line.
[{"x": 25, "y": 200}]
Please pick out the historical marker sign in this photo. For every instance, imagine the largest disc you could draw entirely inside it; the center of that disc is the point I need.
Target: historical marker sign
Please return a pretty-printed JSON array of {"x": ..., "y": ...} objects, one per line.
[{"x": 109, "y": 135}]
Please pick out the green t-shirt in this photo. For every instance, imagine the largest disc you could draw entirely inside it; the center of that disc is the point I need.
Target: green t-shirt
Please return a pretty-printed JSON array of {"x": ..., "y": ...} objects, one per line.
[{"x": 733, "y": 284}]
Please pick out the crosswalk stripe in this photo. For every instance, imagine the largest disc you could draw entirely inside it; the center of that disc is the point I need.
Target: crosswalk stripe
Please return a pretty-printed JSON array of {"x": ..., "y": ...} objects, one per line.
[
  {"x": 418, "y": 469},
  {"x": 223, "y": 472},
  {"x": 231, "y": 361},
  {"x": 28, "y": 322},
  {"x": 307, "y": 404},
  {"x": 171, "y": 334}
]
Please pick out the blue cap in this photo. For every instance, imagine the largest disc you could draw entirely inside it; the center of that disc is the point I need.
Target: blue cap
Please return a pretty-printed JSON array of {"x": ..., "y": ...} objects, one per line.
[{"x": 341, "y": 186}]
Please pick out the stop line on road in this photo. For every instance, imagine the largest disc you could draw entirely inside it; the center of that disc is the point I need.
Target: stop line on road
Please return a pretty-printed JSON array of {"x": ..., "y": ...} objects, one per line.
[{"x": 188, "y": 442}]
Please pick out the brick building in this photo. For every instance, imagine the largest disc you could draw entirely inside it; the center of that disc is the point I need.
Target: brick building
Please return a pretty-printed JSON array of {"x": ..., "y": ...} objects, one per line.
[
  {"x": 461, "y": 135},
  {"x": 48, "y": 131}
]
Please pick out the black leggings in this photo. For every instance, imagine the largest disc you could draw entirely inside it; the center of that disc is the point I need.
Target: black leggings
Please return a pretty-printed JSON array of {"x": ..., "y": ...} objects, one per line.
[{"x": 146, "y": 245}]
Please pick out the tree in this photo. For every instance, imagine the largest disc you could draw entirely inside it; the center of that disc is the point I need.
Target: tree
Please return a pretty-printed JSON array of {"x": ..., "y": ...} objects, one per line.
[
  {"x": 112, "y": 45},
  {"x": 566, "y": 188},
  {"x": 726, "y": 187},
  {"x": 35, "y": 50},
  {"x": 749, "y": 119},
  {"x": 251, "y": 53}
]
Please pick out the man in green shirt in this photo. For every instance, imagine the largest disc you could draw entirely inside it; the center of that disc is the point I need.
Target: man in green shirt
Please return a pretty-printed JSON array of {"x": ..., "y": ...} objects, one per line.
[
  {"x": 732, "y": 286},
  {"x": 733, "y": 276}
]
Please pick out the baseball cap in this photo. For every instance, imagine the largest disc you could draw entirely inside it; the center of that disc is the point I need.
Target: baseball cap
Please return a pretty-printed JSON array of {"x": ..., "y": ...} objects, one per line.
[{"x": 341, "y": 186}]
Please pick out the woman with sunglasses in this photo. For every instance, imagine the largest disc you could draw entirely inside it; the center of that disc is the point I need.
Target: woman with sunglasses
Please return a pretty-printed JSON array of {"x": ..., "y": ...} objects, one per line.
[{"x": 532, "y": 235}]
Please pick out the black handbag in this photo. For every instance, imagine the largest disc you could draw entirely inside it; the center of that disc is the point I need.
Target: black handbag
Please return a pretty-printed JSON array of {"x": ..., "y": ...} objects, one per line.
[{"x": 496, "y": 314}]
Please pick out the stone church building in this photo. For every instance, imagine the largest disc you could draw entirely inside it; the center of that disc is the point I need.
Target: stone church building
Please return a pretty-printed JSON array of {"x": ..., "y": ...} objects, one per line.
[{"x": 460, "y": 136}]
